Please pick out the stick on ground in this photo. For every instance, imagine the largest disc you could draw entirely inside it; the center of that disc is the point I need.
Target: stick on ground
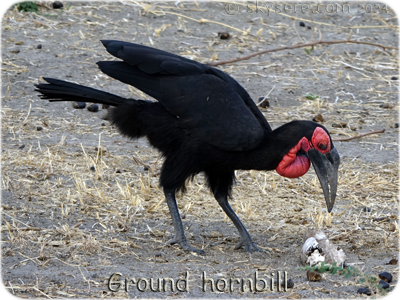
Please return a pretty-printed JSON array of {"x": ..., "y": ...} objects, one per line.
[
  {"x": 358, "y": 136},
  {"x": 320, "y": 42}
]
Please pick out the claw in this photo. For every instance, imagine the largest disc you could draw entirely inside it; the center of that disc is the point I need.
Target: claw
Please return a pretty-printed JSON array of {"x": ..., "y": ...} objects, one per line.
[
  {"x": 185, "y": 245},
  {"x": 249, "y": 246}
]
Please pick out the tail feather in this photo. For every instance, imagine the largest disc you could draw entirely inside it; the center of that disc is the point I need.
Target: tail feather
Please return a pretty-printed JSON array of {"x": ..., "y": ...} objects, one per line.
[{"x": 60, "y": 90}]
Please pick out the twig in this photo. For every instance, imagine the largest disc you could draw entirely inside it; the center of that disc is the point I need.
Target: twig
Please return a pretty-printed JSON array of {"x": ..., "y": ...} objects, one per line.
[
  {"x": 27, "y": 116},
  {"x": 359, "y": 135},
  {"x": 320, "y": 42},
  {"x": 23, "y": 229}
]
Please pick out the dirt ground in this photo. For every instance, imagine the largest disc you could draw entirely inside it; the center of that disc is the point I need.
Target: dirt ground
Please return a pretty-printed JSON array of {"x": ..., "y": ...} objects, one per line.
[{"x": 80, "y": 202}]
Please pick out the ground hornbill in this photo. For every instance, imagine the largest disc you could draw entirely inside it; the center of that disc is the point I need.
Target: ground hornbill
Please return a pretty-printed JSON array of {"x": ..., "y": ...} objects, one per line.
[{"x": 204, "y": 121}]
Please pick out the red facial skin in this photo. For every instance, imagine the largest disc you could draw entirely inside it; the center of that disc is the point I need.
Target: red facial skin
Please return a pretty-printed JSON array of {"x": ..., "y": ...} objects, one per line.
[{"x": 294, "y": 165}]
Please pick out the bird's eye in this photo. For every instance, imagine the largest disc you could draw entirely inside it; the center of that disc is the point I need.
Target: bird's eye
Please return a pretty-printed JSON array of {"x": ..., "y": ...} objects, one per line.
[{"x": 322, "y": 146}]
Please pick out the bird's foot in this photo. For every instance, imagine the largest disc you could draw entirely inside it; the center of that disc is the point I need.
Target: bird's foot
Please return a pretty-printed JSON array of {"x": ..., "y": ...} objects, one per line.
[
  {"x": 185, "y": 245},
  {"x": 249, "y": 246}
]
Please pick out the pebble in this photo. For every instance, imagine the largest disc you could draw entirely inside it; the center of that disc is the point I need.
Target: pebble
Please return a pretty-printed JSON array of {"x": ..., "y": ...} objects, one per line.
[
  {"x": 339, "y": 125},
  {"x": 39, "y": 128},
  {"x": 302, "y": 24},
  {"x": 93, "y": 107},
  {"x": 313, "y": 276},
  {"x": 385, "y": 276},
  {"x": 393, "y": 261},
  {"x": 364, "y": 291},
  {"x": 224, "y": 35},
  {"x": 319, "y": 118},
  {"x": 79, "y": 105},
  {"x": 384, "y": 284},
  {"x": 92, "y": 168},
  {"x": 308, "y": 27},
  {"x": 39, "y": 46},
  {"x": 366, "y": 209},
  {"x": 265, "y": 102},
  {"x": 58, "y": 5},
  {"x": 394, "y": 78},
  {"x": 289, "y": 284},
  {"x": 386, "y": 105}
]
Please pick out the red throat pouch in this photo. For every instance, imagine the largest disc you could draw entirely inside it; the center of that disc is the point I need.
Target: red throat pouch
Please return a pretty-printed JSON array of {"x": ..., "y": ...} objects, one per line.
[{"x": 294, "y": 165}]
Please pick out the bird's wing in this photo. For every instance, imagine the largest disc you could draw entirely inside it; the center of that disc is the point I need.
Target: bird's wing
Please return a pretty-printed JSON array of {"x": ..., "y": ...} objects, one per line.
[{"x": 209, "y": 107}]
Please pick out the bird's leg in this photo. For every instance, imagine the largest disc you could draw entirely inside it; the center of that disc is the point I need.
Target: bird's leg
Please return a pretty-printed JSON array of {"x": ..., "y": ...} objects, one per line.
[
  {"x": 245, "y": 238},
  {"x": 179, "y": 237}
]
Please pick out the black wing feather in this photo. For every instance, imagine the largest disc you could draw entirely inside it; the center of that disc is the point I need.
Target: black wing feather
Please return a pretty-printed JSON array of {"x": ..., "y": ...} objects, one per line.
[{"x": 211, "y": 106}]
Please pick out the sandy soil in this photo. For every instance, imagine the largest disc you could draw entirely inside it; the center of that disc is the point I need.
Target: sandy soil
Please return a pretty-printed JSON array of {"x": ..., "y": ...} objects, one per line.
[{"x": 73, "y": 215}]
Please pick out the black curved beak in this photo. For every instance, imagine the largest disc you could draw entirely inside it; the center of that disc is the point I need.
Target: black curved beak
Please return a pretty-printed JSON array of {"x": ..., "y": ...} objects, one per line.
[{"x": 326, "y": 166}]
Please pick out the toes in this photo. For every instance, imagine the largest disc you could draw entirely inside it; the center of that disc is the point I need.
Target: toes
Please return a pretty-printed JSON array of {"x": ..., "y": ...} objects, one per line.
[
  {"x": 185, "y": 246},
  {"x": 249, "y": 246}
]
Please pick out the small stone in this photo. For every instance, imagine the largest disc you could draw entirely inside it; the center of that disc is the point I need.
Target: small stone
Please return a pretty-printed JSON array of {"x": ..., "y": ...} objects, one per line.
[
  {"x": 396, "y": 125},
  {"x": 302, "y": 24},
  {"x": 93, "y": 107},
  {"x": 39, "y": 128},
  {"x": 313, "y": 276},
  {"x": 393, "y": 262},
  {"x": 103, "y": 124},
  {"x": 319, "y": 118},
  {"x": 386, "y": 105},
  {"x": 39, "y": 46},
  {"x": 224, "y": 35},
  {"x": 294, "y": 296},
  {"x": 93, "y": 168},
  {"x": 339, "y": 125},
  {"x": 384, "y": 284},
  {"x": 364, "y": 291},
  {"x": 289, "y": 284},
  {"x": 264, "y": 102},
  {"x": 309, "y": 27},
  {"x": 366, "y": 209},
  {"x": 22, "y": 147},
  {"x": 58, "y": 5},
  {"x": 394, "y": 78},
  {"x": 118, "y": 172},
  {"x": 385, "y": 276},
  {"x": 79, "y": 105}
]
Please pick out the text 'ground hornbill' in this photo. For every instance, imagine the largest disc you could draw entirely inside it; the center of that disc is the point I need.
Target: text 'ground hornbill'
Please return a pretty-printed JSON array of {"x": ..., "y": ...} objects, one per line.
[{"x": 204, "y": 121}]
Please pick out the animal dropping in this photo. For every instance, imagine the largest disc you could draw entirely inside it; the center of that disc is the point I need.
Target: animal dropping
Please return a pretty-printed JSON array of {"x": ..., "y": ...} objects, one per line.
[{"x": 227, "y": 132}]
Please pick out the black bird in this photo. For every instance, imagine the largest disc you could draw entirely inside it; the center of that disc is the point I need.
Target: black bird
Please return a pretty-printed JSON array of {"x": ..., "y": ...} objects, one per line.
[{"x": 204, "y": 121}]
